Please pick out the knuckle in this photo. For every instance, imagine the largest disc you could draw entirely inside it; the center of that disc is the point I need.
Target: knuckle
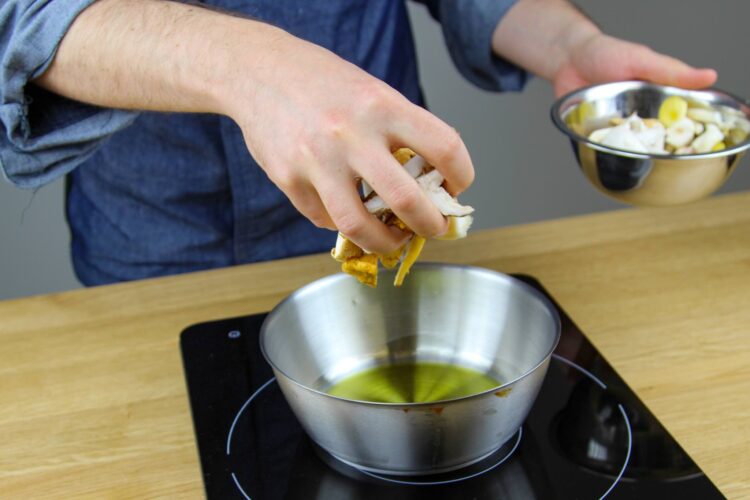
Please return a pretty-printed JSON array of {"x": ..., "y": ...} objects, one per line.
[
  {"x": 468, "y": 175},
  {"x": 385, "y": 246},
  {"x": 432, "y": 227},
  {"x": 450, "y": 147},
  {"x": 320, "y": 220},
  {"x": 405, "y": 198},
  {"x": 314, "y": 212},
  {"x": 350, "y": 225},
  {"x": 374, "y": 96},
  {"x": 302, "y": 153},
  {"x": 285, "y": 178},
  {"x": 637, "y": 53},
  {"x": 334, "y": 125}
]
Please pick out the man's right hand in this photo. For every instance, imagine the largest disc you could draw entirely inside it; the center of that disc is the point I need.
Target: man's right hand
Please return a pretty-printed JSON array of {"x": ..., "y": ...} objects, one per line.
[
  {"x": 317, "y": 124},
  {"x": 314, "y": 122}
]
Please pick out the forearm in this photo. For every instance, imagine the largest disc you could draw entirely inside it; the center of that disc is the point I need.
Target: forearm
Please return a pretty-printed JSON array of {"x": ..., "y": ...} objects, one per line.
[
  {"x": 156, "y": 55},
  {"x": 314, "y": 122},
  {"x": 539, "y": 35}
]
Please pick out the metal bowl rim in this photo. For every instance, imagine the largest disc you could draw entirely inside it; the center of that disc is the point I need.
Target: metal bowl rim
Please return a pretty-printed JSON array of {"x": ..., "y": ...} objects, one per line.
[
  {"x": 563, "y": 127},
  {"x": 339, "y": 276}
]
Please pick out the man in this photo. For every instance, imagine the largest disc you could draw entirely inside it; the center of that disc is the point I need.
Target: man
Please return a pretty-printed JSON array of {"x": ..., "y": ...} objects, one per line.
[{"x": 247, "y": 121}]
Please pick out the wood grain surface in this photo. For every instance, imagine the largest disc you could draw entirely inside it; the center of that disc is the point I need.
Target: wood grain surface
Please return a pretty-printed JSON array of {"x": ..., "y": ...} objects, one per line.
[{"x": 93, "y": 401}]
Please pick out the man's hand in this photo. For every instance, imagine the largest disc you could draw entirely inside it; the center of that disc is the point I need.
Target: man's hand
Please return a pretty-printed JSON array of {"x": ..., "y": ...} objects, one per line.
[
  {"x": 314, "y": 122},
  {"x": 554, "y": 40},
  {"x": 602, "y": 58},
  {"x": 317, "y": 124}
]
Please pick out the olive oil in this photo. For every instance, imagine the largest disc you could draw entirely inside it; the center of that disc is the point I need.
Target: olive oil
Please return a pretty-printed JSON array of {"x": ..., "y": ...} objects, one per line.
[{"x": 414, "y": 382}]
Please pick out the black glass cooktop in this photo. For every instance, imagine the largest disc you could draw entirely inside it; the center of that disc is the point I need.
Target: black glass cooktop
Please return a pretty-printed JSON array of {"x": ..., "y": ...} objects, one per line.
[{"x": 587, "y": 435}]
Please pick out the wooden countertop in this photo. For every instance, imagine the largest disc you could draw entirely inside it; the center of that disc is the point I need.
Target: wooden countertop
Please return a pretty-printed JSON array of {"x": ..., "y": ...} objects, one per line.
[{"x": 93, "y": 400}]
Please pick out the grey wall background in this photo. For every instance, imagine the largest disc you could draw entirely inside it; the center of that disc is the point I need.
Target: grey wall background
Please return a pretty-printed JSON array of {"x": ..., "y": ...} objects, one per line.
[{"x": 525, "y": 169}]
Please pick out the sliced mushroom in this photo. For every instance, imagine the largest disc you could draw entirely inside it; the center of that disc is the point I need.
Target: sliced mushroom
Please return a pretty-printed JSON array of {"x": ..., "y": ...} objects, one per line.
[
  {"x": 681, "y": 133},
  {"x": 599, "y": 135},
  {"x": 458, "y": 227},
  {"x": 708, "y": 139},
  {"x": 704, "y": 116},
  {"x": 621, "y": 137},
  {"x": 363, "y": 265},
  {"x": 653, "y": 139}
]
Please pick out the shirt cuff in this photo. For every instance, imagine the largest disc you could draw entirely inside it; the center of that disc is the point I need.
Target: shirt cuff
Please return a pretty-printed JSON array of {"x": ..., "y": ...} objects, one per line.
[
  {"x": 468, "y": 26},
  {"x": 42, "y": 135}
]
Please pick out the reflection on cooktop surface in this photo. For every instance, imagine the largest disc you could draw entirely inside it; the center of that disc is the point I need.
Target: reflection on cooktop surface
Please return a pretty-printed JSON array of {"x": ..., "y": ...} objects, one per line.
[{"x": 587, "y": 436}]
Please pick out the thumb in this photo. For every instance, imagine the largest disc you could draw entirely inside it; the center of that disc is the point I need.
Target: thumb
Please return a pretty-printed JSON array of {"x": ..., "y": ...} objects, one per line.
[
  {"x": 646, "y": 64},
  {"x": 568, "y": 80}
]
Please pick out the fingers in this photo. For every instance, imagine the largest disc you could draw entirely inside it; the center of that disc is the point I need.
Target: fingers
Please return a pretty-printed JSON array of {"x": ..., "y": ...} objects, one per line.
[
  {"x": 300, "y": 191},
  {"x": 349, "y": 215},
  {"x": 568, "y": 80},
  {"x": 402, "y": 194},
  {"x": 438, "y": 143},
  {"x": 309, "y": 204},
  {"x": 342, "y": 209},
  {"x": 658, "y": 68},
  {"x": 333, "y": 201}
]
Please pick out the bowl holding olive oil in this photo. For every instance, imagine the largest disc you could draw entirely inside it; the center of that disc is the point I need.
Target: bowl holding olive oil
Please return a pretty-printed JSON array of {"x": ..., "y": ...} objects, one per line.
[{"x": 425, "y": 378}]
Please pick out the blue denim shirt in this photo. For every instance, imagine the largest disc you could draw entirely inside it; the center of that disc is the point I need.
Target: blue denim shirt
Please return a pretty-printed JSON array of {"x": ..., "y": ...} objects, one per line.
[{"x": 151, "y": 194}]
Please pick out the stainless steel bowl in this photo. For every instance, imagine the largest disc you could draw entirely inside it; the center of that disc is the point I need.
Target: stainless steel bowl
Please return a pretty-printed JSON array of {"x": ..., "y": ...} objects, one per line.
[
  {"x": 472, "y": 317},
  {"x": 643, "y": 179}
]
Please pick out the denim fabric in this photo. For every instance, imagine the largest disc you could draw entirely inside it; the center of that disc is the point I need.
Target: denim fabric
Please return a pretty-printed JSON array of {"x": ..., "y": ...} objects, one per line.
[
  {"x": 165, "y": 193},
  {"x": 43, "y": 136}
]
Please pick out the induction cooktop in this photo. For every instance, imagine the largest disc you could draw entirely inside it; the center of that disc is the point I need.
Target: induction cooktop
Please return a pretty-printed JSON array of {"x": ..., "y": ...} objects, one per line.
[{"x": 587, "y": 436}]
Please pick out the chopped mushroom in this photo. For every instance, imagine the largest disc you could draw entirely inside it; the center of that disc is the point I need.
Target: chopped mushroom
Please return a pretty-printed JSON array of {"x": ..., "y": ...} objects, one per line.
[
  {"x": 683, "y": 127},
  {"x": 363, "y": 265}
]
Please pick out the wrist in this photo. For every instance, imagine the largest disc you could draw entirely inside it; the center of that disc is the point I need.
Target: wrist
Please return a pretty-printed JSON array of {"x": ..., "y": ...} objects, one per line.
[
  {"x": 572, "y": 39},
  {"x": 158, "y": 56},
  {"x": 225, "y": 63},
  {"x": 542, "y": 35}
]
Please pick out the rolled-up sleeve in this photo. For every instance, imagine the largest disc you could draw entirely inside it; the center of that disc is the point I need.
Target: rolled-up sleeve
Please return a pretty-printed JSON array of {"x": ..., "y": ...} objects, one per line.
[
  {"x": 468, "y": 26},
  {"x": 42, "y": 135}
]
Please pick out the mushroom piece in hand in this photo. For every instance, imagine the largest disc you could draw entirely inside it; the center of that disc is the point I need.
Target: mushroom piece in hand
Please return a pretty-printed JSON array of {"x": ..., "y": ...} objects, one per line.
[{"x": 363, "y": 265}]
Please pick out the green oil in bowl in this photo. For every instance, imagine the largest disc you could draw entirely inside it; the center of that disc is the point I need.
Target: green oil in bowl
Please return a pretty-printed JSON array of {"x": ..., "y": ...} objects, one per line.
[{"x": 413, "y": 382}]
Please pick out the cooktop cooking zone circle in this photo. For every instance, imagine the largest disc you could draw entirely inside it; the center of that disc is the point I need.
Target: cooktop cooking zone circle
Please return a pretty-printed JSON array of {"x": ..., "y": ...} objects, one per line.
[
  {"x": 247, "y": 417},
  {"x": 588, "y": 434}
]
